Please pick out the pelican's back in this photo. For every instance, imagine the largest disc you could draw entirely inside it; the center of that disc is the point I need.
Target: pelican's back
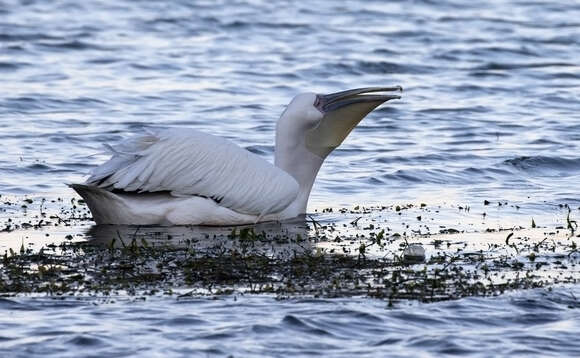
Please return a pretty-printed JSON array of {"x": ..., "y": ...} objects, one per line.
[{"x": 186, "y": 162}]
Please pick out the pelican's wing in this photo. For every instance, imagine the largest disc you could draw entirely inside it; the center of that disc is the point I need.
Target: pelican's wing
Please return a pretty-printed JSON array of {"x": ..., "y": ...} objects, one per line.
[{"x": 187, "y": 162}]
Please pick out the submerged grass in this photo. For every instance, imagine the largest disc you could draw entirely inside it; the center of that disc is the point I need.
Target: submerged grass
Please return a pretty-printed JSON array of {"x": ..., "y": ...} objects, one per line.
[{"x": 336, "y": 258}]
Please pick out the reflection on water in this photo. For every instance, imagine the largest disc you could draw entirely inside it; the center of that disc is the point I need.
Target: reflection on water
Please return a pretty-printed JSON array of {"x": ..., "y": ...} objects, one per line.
[{"x": 275, "y": 236}]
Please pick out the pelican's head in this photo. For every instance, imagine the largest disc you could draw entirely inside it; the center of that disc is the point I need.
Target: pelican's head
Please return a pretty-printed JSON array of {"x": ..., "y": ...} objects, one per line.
[
  {"x": 313, "y": 125},
  {"x": 324, "y": 121}
]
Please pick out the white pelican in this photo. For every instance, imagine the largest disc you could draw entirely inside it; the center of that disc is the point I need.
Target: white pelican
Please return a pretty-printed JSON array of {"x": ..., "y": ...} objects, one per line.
[{"x": 185, "y": 177}]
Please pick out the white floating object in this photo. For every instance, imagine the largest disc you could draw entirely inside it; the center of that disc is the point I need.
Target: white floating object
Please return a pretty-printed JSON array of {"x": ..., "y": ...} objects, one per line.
[{"x": 414, "y": 253}]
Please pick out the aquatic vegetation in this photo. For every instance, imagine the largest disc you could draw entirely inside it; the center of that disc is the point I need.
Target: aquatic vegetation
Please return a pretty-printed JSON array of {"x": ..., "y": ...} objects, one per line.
[{"x": 336, "y": 253}]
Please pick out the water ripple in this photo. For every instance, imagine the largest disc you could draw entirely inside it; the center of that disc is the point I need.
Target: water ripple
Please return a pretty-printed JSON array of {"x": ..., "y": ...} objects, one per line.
[
  {"x": 535, "y": 322},
  {"x": 490, "y": 110}
]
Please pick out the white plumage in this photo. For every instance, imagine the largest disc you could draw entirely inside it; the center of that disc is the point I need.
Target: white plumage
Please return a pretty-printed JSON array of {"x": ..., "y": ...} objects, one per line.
[
  {"x": 186, "y": 177},
  {"x": 186, "y": 162}
]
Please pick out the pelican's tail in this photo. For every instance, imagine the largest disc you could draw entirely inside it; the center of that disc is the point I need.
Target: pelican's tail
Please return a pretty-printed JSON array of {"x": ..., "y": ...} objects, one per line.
[{"x": 103, "y": 204}]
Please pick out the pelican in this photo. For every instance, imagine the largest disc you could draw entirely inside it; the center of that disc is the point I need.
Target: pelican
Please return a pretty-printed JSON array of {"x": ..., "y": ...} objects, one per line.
[{"x": 182, "y": 176}]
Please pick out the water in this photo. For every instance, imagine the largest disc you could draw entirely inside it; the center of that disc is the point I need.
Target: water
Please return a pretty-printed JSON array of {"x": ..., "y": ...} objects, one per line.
[
  {"x": 491, "y": 110},
  {"x": 537, "y": 323}
]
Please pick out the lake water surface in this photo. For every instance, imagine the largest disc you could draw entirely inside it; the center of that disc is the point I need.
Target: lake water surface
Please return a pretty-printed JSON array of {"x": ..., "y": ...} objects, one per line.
[{"x": 490, "y": 111}]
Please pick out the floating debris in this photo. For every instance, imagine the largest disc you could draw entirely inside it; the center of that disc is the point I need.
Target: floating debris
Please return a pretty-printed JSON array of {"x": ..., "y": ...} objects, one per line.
[
  {"x": 52, "y": 248},
  {"x": 414, "y": 253}
]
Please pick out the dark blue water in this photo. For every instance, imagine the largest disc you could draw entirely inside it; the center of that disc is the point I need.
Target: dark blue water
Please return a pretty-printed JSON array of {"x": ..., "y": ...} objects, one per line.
[
  {"x": 538, "y": 323},
  {"x": 491, "y": 110},
  {"x": 491, "y": 106}
]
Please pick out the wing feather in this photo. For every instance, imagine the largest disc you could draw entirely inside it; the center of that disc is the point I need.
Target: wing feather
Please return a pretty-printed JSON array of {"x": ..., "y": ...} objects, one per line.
[{"x": 187, "y": 162}]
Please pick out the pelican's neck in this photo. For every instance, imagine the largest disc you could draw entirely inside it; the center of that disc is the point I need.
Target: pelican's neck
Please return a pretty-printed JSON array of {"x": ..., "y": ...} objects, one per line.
[{"x": 294, "y": 158}]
